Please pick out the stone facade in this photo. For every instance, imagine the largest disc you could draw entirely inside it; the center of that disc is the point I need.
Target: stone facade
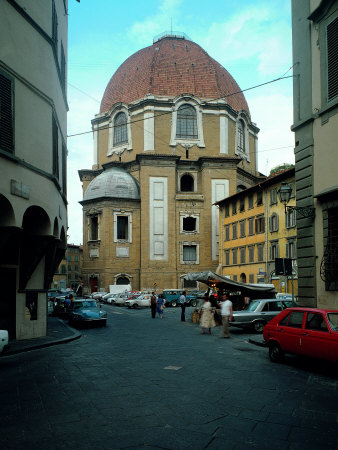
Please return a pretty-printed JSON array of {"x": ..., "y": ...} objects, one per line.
[
  {"x": 315, "y": 31},
  {"x": 184, "y": 152}
]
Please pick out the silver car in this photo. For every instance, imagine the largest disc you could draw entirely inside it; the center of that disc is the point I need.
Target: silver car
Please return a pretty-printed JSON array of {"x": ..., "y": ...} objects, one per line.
[{"x": 259, "y": 312}]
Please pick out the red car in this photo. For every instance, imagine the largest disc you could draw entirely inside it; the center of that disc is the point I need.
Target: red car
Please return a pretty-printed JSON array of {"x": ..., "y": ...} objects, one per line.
[{"x": 303, "y": 331}]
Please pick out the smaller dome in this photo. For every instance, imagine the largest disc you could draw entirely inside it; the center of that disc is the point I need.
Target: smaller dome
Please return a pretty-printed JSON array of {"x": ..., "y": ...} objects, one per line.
[{"x": 113, "y": 183}]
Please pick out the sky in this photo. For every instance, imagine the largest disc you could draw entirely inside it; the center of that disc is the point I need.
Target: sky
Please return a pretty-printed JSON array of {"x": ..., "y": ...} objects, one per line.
[{"x": 250, "y": 38}]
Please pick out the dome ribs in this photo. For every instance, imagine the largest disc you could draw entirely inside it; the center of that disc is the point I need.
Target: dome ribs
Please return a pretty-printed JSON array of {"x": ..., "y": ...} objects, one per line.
[{"x": 171, "y": 67}]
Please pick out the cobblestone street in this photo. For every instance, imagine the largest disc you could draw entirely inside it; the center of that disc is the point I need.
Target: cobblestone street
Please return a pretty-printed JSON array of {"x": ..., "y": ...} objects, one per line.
[{"x": 150, "y": 383}]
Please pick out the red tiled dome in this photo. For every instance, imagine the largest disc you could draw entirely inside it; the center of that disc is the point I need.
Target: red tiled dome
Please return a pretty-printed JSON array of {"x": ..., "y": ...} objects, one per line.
[{"x": 171, "y": 66}]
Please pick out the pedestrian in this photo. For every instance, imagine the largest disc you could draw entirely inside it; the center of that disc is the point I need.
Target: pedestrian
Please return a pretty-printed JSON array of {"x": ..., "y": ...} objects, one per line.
[
  {"x": 207, "y": 317},
  {"x": 160, "y": 305},
  {"x": 153, "y": 305},
  {"x": 182, "y": 303},
  {"x": 226, "y": 312},
  {"x": 67, "y": 302}
]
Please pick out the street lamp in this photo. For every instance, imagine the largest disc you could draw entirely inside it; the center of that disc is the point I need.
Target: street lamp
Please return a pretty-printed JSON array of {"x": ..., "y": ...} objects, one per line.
[{"x": 284, "y": 194}]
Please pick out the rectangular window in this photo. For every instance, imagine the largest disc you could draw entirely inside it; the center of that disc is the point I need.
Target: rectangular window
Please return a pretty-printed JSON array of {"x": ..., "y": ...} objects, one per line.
[
  {"x": 6, "y": 114},
  {"x": 242, "y": 255},
  {"x": 234, "y": 230},
  {"x": 273, "y": 222},
  {"x": 242, "y": 204},
  {"x": 250, "y": 201},
  {"x": 94, "y": 228},
  {"x": 332, "y": 60},
  {"x": 122, "y": 227},
  {"x": 69, "y": 267},
  {"x": 76, "y": 258},
  {"x": 234, "y": 207},
  {"x": 259, "y": 198},
  {"x": 251, "y": 251},
  {"x": 69, "y": 258},
  {"x": 76, "y": 268},
  {"x": 227, "y": 232},
  {"x": 291, "y": 249},
  {"x": 274, "y": 251},
  {"x": 290, "y": 218},
  {"x": 235, "y": 277},
  {"x": 259, "y": 224},
  {"x": 251, "y": 226},
  {"x": 242, "y": 228},
  {"x": 251, "y": 278},
  {"x": 226, "y": 211},
  {"x": 273, "y": 196},
  {"x": 189, "y": 253},
  {"x": 234, "y": 256},
  {"x": 260, "y": 252},
  {"x": 55, "y": 138},
  {"x": 227, "y": 257},
  {"x": 63, "y": 68},
  {"x": 189, "y": 223},
  {"x": 54, "y": 25}
]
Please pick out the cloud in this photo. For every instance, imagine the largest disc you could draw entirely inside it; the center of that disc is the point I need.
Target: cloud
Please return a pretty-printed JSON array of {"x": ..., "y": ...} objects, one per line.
[
  {"x": 258, "y": 37},
  {"x": 157, "y": 23}
]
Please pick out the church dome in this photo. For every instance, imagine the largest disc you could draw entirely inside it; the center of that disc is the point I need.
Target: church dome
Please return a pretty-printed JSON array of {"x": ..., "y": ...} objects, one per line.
[
  {"x": 113, "y": 183},
  {"x": 170, "y": 67}
]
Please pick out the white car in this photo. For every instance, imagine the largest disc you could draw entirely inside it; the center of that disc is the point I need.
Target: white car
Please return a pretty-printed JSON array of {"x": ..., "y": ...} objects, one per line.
[
  {"x": 120, "y": 299},
  {"x": 141, "y": 300},
  {"x": 110, "y": 298},
  {"x": 3, "y": 340}
]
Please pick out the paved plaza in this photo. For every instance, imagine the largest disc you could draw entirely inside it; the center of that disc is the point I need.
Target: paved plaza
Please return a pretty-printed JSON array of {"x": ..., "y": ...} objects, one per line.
[{"x": 149, "y": 383}]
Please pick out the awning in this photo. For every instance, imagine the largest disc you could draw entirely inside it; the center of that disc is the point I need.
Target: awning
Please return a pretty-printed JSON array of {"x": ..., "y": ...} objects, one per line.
[{"x": 246, "y": 289}]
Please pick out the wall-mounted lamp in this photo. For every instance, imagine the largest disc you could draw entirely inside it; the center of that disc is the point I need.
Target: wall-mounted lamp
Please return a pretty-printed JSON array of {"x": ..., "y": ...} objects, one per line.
[{"x": 284, "y": 194}]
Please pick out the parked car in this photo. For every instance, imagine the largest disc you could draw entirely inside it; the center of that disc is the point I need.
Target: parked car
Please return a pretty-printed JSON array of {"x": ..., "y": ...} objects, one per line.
[
  {"x": 3, "y": 341},
  {"x": 172, "y": 297},
  {"x": 110, "y": 298},
  {"x": 120, "y": 299},
  {"x": 304, "y": 331},
  {"x": 258, "y": 313},
  {"x": 85, "y": 311},
  {"x": 98, "y": 295},
  {"x": 139, "y": 301}
]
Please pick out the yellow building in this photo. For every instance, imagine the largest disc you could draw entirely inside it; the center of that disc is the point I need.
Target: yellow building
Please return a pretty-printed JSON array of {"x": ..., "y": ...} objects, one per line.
[
  {"x": 255, "y": 230},
  {"x": 69, "y": 273},
  {"x": 169, "y": 141}
]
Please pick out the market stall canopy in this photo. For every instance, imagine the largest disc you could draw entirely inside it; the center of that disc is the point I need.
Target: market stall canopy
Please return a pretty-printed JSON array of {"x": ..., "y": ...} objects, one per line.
[{"x": 246, "y": 289}]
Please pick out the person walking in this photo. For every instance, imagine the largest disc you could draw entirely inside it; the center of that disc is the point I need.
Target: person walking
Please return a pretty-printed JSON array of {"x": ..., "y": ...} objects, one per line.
[
  {"x": 207, "y": 320},
  {"x": 153, "y": 305},
  {"x": 160, "y": 305},
  {"x": 182, "y": 303},
  {"x": 226, "y": 312}
]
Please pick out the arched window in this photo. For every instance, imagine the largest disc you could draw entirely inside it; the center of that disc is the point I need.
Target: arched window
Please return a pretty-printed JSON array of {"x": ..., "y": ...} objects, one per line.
[
  {"x": 120, "y": 129},
  {"x": 241, "y": 137},
  {"x": 122, "y": 281},
  {"x": 187, "y": 183},
  {"x": 186, "y": 122}
]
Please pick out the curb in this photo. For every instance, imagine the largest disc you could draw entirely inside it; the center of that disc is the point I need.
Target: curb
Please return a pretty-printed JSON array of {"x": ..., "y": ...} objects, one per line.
[{"x": 76, "y": 335}]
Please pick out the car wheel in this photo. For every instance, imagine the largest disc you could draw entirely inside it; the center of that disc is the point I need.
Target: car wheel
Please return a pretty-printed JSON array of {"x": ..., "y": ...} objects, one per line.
[
  {"x": 135, "y": 306},
  {"x": 193, "y": 303},
  {"x": 258, "y": 326},
  {"x": 275, "y": 352},
  {"x": 174, "y": 304}
]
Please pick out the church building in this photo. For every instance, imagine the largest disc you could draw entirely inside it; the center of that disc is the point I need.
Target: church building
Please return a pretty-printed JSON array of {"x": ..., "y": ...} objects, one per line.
[{"x": 173, "y": 136}]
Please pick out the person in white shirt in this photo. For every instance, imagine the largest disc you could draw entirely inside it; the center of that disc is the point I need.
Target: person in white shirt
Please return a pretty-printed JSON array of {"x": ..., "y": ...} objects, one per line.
[{"x": 226, "y": 312}]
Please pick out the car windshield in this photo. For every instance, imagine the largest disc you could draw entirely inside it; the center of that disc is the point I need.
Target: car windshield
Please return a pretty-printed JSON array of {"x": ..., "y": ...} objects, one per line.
[
  {"x": 84, "y": 304},
  {"x": 252, "y": 306},
  {"x": 333, "y": 319}
]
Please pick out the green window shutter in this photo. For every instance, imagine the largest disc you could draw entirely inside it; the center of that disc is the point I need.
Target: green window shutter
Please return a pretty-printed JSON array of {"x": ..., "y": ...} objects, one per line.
[{"x": 6, "y": 114}]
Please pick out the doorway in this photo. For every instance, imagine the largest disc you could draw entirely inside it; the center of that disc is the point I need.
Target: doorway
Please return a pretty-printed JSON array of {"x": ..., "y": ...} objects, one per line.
[{"x": 8, "y": 301}]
